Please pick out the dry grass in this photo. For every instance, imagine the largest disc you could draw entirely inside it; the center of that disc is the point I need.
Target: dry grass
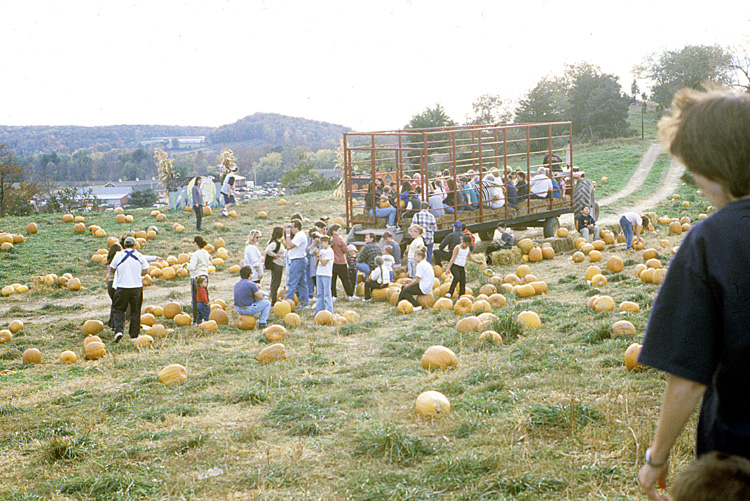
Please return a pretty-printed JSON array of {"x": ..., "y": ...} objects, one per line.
[{"x": 550, "y": 414}]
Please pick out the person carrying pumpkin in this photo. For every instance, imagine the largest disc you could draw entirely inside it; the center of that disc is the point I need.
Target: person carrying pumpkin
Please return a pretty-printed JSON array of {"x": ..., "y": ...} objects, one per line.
[{"x": 698, "y": 328}]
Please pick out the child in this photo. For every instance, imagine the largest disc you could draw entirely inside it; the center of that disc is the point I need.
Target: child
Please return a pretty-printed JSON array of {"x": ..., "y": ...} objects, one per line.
[
  {"x": 502, "y": 239},
  {"x": 312, "y": 251},
  {"x": 388, "y": 260},
  {"x": 715, "y": 475},
  {"x": 351, "y": 265},
  {"x": 324, "y": 272},
  {"x": 415, "y": 232},
  {"x": 201, "y": 301},
  {"x": 378, "y": 279},
  {"x": 395, "y": 248},
  {"x": 461, "y": 253}
]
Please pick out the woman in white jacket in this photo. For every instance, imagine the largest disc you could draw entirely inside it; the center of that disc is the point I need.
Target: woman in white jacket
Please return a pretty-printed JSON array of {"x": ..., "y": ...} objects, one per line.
[
  {"x": 198, "y": 267},
  {"x": 253, "y": 256}
]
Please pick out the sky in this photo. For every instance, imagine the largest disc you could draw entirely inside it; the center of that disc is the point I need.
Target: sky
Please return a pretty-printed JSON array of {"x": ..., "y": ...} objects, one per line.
[{"x": 366, "y": 65}]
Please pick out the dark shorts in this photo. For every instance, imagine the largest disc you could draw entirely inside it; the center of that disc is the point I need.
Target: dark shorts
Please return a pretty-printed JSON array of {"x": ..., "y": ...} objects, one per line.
[{"x": 228, "y": 199}]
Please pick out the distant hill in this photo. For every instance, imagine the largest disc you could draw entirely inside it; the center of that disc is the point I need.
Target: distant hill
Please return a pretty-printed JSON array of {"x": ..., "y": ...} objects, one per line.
[{"x": 257, "y": 131}]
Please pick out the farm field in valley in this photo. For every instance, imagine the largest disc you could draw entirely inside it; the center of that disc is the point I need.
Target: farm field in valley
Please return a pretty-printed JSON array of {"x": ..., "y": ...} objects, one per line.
[{"x": 550, "y": 413}]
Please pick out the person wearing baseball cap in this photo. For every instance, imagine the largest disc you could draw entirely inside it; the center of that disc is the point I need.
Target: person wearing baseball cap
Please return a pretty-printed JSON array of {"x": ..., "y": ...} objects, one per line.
[
  {"x": 128, "y": 266},
  {"x": 445, "y": 251}
]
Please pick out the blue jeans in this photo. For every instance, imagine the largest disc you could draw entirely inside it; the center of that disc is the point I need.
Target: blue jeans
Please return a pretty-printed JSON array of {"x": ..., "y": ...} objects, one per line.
[
  {"x": 364, "y": 268},
  {"x": 429, "y": 252},
  {"x": 389, "y": 212},
  {"x": 627, "y": 230},
  {"x": 325, "y": 299},
  {"x": 449, "y": 210},
  {"x": 296, "y": 282},
  {"x": 262, "y": 307},
  {"x": 203, "y": 312}
]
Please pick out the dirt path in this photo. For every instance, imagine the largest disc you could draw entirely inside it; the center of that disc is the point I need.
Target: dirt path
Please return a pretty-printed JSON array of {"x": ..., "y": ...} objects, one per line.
[{"x": 638, "y": 177}]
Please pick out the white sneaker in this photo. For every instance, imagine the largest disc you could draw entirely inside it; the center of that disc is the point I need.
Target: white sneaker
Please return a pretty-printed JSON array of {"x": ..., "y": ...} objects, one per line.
[
  {"x": 448, "y": 294},
  {"x": 353, "y": 298},
  {"x": 333, "y": 299},
  {"x": 417, "y": 308}
]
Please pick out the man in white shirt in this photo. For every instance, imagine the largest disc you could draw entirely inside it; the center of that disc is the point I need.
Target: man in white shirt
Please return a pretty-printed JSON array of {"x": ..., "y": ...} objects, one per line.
[
  {"x": 227, "y": 191},
  {"x": 492, "y": 193},
  {"x": 128, "y": 267},
  {"x": 541, "y": 184},
  {"x": 296, "y": 244}
]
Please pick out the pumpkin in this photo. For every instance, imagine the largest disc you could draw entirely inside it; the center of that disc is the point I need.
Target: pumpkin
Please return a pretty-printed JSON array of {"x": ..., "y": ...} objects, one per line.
[
  {"x": 15, "y": 326},
  {"x": 209, "y": 326},
  {"x": 513, "y": 279},
  {"x": 508, "y": 287},
  {"x": 174, "y": 373},
  {"x": 658, "y": 276},
  {"x": 639, "y": 269},
  {"x": 595, "y": 256},
  {"x": 219, "y": 316},
  {"x": 234, "y": 269},
  {"x": 232, "y": 213},
  {"x": 579, "y": 242},
  {"x": 67, "y": 218},
  {"x": 172, "y": 309},
  {"x": 324, "y": 317},
  {"x": 529, "y": 319},
  {"x": 437, "y": 269},
  {"x": 481, "y": 306},
  {"x": 439, "y": 357},
  {"x": 351, "y": 317},
  {"x": 217, "y": 261},
  {"x": 282, "y": 201},
  {"x": 79, "y": 219},
  {"x": 491, "y": 337},
  {"x": 468, "y": 324},
  {"x": 615, "y": 264},
  {"x": 150, "y": 234},
  {"x": 32, "y": 356},
  {"x": 262, "y": 214},
  {"x": 578, "y": 257},
  {"x": 222, "y": 253},
  {"x": 120, "y": 218},
  {"x": 292, "y": 320},
  {"x": 608, "y": 237},
  {"x": 591, "y": 301},
  {"x": 168, "y": 273},
  {"x": 675, "y": 227},
  {"x": 274, "y": 333},
  {"x": 74, "y": 284},
  {"x": 281, "y": 309},
  {"x": 525, "y": 245},
  {"x": 432, "y": 404},
  {"x": 525, "y": 290},
  {"x": 598, "y": 280},
  {"x": 599, "y": 245},
  {"x": 426, "y": 301},
  {"x": 182, "y": 319},
  {"x": 535, "y": 255},
  {"x": 604, "y": 303},
  {"x": 68, "y": 357},
  {"x": 647, "y": 275},
  {"x": 649, "y": 254},
  {"x": 604, "y": 179},
  {"x": 497, "y": 300},
  {"x": 629, "y": 306},
  {"x": 587, "y": 248},
  {"x": 32, "y": 228},
  {"x": 463, "y": 306},
  {"x": 548, "y": 252},
  {"x": 521, "y": 271},
  {"x": 631, "y": 357},
  {"x": 487, "y": 289},
  {"x": 380, "y": 294},
  {"x": 91, "y": 339},
  {"x": 148, "y": 319},
  {"x": 246, "y": 322},
  {"x": 143, "y": 341},
  {"x": 623, "y": 328},
  {"x": 591, "y": 271},
  {"x": 539, "y": 286},
  {"x": 94, "y": 350},
  {"x": 5, "y": 336},
  {"x": 562, "y": 232},
  {"x": 404, "y": 307},
  {"x": 207, "y": 211},
  {"x": 273, "y": 353},
  {"x": 158, "y": 331},
  {"x": 443, "y": 304},
  {"x": 653, "y": 263}
]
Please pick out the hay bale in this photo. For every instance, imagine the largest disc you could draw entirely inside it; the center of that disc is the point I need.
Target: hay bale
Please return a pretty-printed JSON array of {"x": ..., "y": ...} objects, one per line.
[
  {"x": 507, "y": 256},
  {"x": 560, "y": 244}
]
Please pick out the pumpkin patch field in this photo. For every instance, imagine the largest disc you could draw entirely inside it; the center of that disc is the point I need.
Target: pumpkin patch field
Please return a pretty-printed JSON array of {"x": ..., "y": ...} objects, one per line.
[{"x": 374, "y": 404}]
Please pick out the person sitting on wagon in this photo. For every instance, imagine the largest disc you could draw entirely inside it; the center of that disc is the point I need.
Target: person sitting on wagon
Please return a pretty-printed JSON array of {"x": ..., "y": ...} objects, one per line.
[
  {"x": 541, "y": 184},
  {"x": 512, "y": 192},
  {"x": 492, "y": 193},
  {"x": 587, "y": 224},
  {"x": 522, "y": 188},
  {"x": 470, "y": 193},
  {"x": 372, "y": 200}
]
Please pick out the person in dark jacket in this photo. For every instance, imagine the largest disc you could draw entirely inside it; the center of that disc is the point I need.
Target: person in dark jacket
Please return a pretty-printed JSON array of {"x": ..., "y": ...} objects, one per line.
[
  {"x": 197, "y": 194},
  {"x": 502, "y": 239},
  {"x": 522, "y": 188}
]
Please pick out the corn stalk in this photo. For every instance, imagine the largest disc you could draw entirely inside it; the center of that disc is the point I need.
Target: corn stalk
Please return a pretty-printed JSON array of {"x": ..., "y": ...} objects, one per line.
[
  {"x": 164, "y": 168},
  {"x": 227, "y": 162},
  {"x": 338, "y": 193}
]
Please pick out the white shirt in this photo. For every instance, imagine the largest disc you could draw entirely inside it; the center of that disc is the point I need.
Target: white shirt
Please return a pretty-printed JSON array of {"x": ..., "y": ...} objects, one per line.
[
  {"x": 198, "y": 265},
  {"x": 300, "y": 248},
  {"x": 633, "y": 218},
  {"x": 540, "y": 185},
  {"x": 388, "y": 262},
  {"x": 128, "y": 265},
  {"x": 380, "y": 275},
  {"x": 426, "y": 276},
  {"x": 254, "y": 259},
  {"x": 327, "y": 269},
  {"x": 225, "y": 188},
  {"x": 461, "y": 257}
]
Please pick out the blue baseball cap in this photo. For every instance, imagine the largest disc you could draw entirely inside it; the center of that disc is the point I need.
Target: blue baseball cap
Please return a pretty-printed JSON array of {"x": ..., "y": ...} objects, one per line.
[{"x": 458, "y": 224}]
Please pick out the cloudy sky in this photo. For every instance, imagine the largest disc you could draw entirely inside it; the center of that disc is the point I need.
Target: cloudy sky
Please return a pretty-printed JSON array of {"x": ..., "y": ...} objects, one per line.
[{"x": 367, "y": 65}]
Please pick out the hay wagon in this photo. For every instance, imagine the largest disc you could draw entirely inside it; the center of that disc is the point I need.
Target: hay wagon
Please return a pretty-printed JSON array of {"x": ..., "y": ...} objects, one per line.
[{"x": 428, "y": 158}]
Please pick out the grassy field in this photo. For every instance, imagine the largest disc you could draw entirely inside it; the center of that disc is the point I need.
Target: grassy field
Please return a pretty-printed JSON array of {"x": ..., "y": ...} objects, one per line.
[{"x": 549, "y": 414}]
